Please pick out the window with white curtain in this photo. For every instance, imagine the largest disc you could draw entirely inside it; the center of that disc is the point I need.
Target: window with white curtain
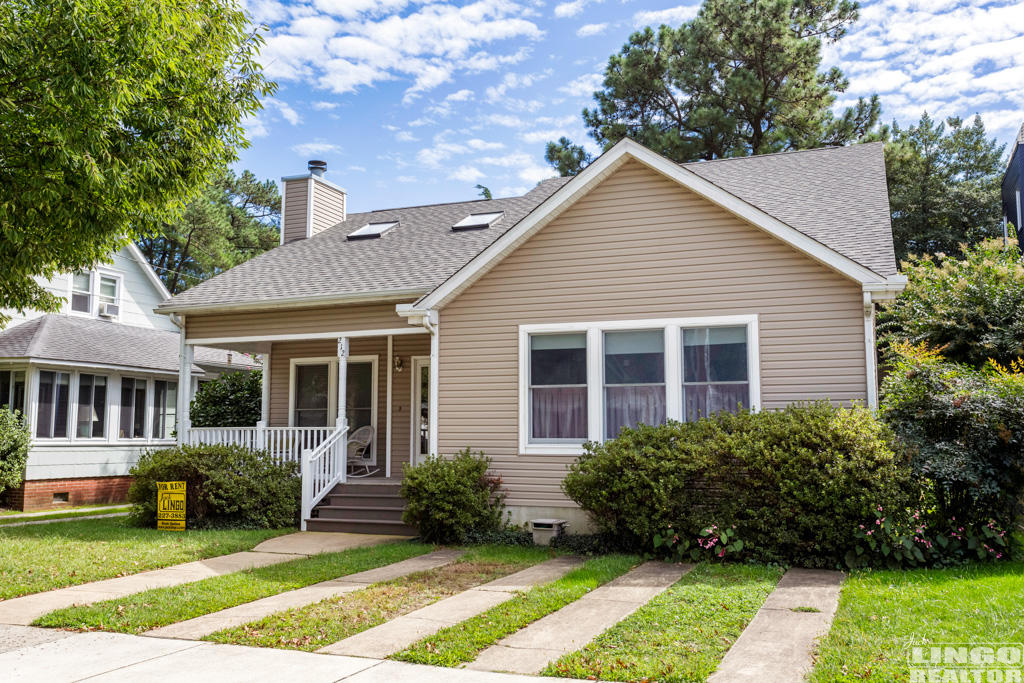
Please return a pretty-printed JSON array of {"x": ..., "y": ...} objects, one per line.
[
  {"x": 558, "y": 387},
  {"x": 634, "y": 379},
  {"x": 587, "y": 381}
]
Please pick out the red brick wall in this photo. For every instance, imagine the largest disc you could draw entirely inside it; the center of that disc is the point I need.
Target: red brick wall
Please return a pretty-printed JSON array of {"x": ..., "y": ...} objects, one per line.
[{"x": 38, "y": 494}]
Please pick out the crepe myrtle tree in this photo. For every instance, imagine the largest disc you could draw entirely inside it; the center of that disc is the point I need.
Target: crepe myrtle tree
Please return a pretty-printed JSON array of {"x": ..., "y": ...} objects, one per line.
[{"x": 113, "y": 115}]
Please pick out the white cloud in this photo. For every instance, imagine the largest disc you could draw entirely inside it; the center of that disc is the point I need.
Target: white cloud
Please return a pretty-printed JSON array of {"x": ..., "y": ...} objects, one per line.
[
  {"x": 571, "y": 8},
  {"x": 482, "y": 145},
  {"x": 255, "y": 127},
  {"x": 506, "y": 120},
  {"x": 284, "y": 109},
  {"x": 405, "y": 136},
  {"x": 324, "y": 106},
  {"x": 584, "y": 86},
  {"x": 467, "y": 174},
  {"x": 459, "y": 95},
  {"x": 357, "y": 169},
  {"x": 406, "y": 179},
  {"x": 588, "y": 30},
  {"x": 672, "y": 16},
  {"x": 308, "y": 149},
  {"x": 422, "y": 121},
  {"x": 513, "y": 81},
  {"x": 535, "y": 137}
]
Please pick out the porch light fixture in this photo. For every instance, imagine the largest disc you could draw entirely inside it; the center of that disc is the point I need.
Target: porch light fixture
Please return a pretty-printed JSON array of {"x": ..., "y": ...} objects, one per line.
[
  {"x": 399, "y": 364},
  {"x": 371, "y": 230},
  {"x": 478, "y": 221}
]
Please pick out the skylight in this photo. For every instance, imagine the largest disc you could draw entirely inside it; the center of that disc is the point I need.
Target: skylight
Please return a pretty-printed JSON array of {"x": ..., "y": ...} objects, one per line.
[
  {"x": 371, "y": 230},
  {"x": 476, "y": 221}
]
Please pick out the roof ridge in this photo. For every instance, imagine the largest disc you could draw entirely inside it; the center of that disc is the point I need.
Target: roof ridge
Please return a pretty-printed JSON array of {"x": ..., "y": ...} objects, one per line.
[
  {"x": 778, "y": 154},
  {"x": 428, "y": 206},
  {"x": 41, "y": 323}
]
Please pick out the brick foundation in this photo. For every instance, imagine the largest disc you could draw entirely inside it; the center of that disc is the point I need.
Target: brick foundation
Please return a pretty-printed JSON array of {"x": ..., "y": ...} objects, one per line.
[{"x": 39, "y": 494}]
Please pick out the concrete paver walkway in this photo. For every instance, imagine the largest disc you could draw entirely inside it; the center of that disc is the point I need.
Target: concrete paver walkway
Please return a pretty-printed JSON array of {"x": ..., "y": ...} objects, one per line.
[
  {"x": 399, "y": 633},
  {"x": 30, "y": 655},
  {"x": 26, "y": 609},
  {"x": 196, "y": 628},
  {"x": 778, "y": 644},
  {"x": 530, "y": 649}
]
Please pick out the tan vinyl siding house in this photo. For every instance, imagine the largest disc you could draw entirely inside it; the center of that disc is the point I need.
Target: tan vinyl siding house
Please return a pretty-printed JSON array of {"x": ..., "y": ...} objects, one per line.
[{"x": 639, "y": 290}]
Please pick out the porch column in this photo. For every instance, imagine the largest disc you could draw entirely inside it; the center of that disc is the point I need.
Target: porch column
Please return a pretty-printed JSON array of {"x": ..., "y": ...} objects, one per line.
[
  {"x": 435, "y": 373},
  {"x": 185, "y": 356},
  {"x": 342, "y": 380},
  {"x": 261, "y": 434}
]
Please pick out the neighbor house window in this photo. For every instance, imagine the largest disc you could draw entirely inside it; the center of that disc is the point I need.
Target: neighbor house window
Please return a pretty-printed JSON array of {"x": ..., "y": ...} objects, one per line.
[
  {"x": 12, "y": 390},
  {"x": 92, "y": 406},
  {"x": 52, "y": 413},
  {"x": 588, "y": 381},
  {"x": 634, "y": 379},
  {"x": 133, "y": 408},
  {"x": 81, "y": 292},
  {"x": 90, "y": 288},
  {"x": 165, "y": 408},
  {"x": 558, "y": 387},
  {"x": 715, "y": 376},
  {"x": 312, "y": 395}
]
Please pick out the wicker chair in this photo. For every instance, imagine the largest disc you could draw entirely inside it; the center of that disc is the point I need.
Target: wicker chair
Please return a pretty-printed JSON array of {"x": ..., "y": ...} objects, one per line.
[{"x": 359, "y": 444}]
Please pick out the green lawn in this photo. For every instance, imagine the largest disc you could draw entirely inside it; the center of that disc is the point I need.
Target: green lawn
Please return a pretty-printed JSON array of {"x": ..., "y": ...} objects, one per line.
[
  {"x": 161, "y": 606},
  {"x": 882, "y": 614},
  {"x": 682, "y": 634},
  {"x": 46, "y": 556},
  {"x": 63, "y": 514},
  {"x": 315, "y": 626},
  {"x": 4, "y": 512},
  {"x": 463, "y": 642}
]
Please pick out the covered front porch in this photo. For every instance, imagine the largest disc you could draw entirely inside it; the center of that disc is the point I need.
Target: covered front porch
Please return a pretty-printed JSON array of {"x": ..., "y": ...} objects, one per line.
[{"x": 349, "y": 408}]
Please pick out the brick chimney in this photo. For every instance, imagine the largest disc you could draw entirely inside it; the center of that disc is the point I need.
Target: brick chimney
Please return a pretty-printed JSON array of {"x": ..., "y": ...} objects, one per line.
[{"x": 310, "y": 203}]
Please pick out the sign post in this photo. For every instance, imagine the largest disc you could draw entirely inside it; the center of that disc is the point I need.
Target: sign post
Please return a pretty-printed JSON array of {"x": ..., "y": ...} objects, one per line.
[{"x": 170, "y": 505}]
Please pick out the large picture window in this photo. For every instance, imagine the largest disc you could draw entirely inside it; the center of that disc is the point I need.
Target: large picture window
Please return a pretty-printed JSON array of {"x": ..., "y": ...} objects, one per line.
[
  {"x": 133, "y": 408},
  {"x": 52, "y": 412},
  {"x": 588, "y": 381},
  {"x": 92, "y": 406},
  {"x": 165, "y": 408},
  {"x": 558, "y": 387}
]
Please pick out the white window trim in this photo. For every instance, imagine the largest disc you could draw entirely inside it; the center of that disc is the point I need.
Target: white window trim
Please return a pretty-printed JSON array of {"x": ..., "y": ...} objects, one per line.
[
  {"x": 418, "y": 363},
  {"x": 332, "y": 390},
  {"x": 94, "y": 292},
  {"x": 595, "y": 370}
]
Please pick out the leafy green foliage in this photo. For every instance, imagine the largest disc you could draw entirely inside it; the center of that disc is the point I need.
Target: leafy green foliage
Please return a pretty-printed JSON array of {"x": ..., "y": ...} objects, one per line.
[
  {"x": 741, "y": 78},
  {"x": 234, "y": 219},
  {"x": 226, "y": 486},
  {"x": 234, "y": 399},
  {"x": 446, "y": 498},
  {"x": 565, "y": 157},
  {"x": 485, "y": 192},
  {"x": 712, "y": 543},
  {"x": 964, "y": 430},
  {"x": 944, "y": 185},
  {"x": 15, "y": 439},
  {"x": 795, "y": 482},
  {"x": 971, "y": 307},
  {"x": 113, "y": 113}
]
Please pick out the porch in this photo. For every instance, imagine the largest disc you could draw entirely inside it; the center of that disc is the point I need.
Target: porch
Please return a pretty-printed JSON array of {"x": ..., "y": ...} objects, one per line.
[{"x": 350, "y": 410}]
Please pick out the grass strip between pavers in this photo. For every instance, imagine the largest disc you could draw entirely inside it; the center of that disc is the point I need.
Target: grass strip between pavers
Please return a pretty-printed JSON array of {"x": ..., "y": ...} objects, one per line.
[
  {"x": 462, "y": 643},
  {"x": 162, "y": 606},
  {"x": 680, "y": 635},
  {"x": 328, "y": 621},
  {"x": 43, "y": 557},
  {"x": 884, "y": 614}
]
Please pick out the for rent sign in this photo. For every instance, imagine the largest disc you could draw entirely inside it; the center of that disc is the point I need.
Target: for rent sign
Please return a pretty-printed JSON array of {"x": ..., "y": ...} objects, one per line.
[{"x": 170, "y": 505}]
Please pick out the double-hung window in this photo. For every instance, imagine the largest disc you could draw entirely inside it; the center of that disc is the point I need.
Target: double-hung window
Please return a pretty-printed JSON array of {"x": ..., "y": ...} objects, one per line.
[
  {"x": 81, "y": 293},
  {"x": 588, "y": 381},
  {"x": 95, "y": 294},
  {"x": 133, "y": 408},
  {"x": 91, "y": 418},
  {"x": 52, "y": 410},
  {"x": 165, "y": 408}
]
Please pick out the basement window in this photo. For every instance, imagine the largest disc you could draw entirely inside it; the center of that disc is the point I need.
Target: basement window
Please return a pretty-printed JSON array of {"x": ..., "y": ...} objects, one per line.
[
  {"x": 371, "y": 230},
  {"x": 478, "y": 221}
]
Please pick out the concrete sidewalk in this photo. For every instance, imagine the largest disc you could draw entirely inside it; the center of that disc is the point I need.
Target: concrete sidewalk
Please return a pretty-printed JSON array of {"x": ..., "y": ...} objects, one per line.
[
  {"x": 26, "y": 609},
  {"x": 31, "y": 655}
]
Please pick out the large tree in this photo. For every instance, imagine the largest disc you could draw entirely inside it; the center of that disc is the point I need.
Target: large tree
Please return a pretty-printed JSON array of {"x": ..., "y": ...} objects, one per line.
[
  {"x": 113, "y": 113},
  {"x": 743, "y": 77},
  {"x": 234, "y": 219},
  {"x": 944, "y": 183}
]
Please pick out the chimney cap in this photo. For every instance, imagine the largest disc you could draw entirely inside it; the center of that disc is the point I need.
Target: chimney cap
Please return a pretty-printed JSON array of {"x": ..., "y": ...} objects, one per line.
[{"x": 317, "y": 167}]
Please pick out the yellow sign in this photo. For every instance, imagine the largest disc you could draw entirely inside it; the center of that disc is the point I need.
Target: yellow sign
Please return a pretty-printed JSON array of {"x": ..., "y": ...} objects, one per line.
[{"x": 170, "y": 505}]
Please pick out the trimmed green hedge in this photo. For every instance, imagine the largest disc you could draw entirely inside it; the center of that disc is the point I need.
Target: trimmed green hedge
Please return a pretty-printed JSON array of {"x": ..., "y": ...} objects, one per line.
[
  {"x": 795, "y": 483},
  {"x": 15, "y": 440}
]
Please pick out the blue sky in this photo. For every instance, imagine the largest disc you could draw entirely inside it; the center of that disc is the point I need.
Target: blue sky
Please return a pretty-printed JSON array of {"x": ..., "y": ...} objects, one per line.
[{"x": 414, "y": 102}]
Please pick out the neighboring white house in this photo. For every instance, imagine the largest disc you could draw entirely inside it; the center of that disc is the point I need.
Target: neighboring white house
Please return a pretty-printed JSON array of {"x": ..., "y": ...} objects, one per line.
[{"x": 98, "y": 381}]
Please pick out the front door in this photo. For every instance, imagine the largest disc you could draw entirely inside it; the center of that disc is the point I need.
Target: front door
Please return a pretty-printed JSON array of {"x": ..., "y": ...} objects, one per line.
[{"x": 420, "y": 408}]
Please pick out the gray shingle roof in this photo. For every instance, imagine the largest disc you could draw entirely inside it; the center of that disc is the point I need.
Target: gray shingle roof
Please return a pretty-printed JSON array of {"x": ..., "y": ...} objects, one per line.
[
  {"x": 85, "y": 340},
  {"x": 835, "y": 195}
]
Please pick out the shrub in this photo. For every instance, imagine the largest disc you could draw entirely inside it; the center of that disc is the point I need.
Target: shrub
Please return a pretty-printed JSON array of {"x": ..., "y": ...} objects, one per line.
[
  {"x": 234, "y": 399},
  {"x": 14, "y": 444},
  {"x": 964, "y": 431},
  {"x": 508, "y": 535},
  {"x": 972, "y": 307},
  {"x": 227, "y": 486},
  {"x": 447, "y": 498},
  {"x": 794, "y": 483},
  {"x": 587, "y": 544}
]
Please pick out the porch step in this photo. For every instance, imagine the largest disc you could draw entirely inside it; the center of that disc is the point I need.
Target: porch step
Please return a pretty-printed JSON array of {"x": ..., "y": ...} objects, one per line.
[
  {"x": 368, "y": 488},
  {"x": 360, "y": 526},
  {"x": 359, "y": 500},
  {"x": 387, "y": 514}
]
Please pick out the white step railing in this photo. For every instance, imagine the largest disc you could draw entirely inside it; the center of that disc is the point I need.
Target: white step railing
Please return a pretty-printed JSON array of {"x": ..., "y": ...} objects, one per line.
[
  {"x": 285, "y": 444},
  {"x": 323, "y": 467}
]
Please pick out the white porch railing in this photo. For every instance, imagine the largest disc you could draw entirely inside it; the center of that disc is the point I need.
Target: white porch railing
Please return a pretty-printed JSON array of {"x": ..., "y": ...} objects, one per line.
[
  {"x": 322, "y": 468},
  {"x": 285, "y": 444}
]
